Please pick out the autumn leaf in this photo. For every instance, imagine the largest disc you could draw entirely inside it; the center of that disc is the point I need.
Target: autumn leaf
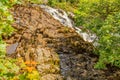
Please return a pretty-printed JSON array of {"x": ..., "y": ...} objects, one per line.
[{"x": 30, "y": 69}]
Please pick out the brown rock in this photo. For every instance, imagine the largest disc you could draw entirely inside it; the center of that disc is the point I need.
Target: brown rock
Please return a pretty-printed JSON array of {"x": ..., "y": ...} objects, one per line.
[{"x": 11, "y": 49}]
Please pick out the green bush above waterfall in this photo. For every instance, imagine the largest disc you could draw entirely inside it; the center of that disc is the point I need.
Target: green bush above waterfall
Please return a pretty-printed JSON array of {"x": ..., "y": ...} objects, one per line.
[{"x": 102, "y": 17}]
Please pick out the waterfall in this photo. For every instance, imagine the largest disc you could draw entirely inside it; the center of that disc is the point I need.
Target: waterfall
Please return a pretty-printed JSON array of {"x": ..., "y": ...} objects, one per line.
[{"x": 64, "y": 19}]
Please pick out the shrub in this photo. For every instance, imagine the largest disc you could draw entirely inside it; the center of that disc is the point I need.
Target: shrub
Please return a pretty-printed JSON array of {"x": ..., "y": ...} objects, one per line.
[
  {"x": 102, "y": 17},
  {"x": 7, "y": 67}
]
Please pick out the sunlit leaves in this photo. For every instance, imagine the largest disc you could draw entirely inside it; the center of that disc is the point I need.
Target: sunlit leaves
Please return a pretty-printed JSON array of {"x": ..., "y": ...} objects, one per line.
[
  {"x": 34, "y": 75},
  {"x": 8, "y": 68},
  {"x": 103, "y": 18}
]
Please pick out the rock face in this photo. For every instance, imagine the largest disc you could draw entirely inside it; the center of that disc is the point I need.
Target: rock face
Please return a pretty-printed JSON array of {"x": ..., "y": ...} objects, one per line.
[{"x": 41, "y": 38}]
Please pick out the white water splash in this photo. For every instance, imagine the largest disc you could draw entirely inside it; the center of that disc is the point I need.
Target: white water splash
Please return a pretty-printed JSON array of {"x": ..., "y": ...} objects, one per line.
[
  {"x": 86, "y": 36},
  {"x": 58, "y": 14},
  {"x": 62, "y": 16}
]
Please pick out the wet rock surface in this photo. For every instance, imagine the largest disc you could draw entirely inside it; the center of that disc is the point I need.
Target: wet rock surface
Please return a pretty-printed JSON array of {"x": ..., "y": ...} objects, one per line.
[{"x": 41, "y": 38}]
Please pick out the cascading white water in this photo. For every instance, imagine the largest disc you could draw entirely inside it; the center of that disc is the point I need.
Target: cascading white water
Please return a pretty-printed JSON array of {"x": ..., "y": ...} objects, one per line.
[
  {"x": 58, "y": 14},
  {"x": 62, "y": 16}
]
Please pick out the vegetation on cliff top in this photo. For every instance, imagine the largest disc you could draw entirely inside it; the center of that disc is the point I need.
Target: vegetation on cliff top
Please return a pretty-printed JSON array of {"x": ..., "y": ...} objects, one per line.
[{"x": 102, "y": 17}]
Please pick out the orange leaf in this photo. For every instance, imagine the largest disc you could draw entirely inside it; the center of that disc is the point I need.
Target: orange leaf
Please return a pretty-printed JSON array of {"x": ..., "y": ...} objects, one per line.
[
  {"x": 27, "y": 62},
  {"x": 33, "y": 63},
  {"x": 30, "y": 69}
]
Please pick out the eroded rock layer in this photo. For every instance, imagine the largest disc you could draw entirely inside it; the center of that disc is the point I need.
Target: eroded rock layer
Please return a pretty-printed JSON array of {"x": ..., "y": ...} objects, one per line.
[{"x": 39, "y": 37}]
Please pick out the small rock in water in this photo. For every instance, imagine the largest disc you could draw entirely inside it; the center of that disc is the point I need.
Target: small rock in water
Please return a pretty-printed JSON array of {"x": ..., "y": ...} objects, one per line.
[{"x": 12, "y": 48}]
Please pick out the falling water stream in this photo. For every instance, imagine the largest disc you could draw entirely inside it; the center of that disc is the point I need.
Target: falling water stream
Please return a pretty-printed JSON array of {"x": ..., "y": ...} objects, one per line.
[{"x": 64, "y": 19}]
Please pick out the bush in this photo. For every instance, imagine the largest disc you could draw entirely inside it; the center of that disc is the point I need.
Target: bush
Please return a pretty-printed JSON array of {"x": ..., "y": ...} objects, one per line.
[
  {"x": 102, "y": 17},
  {"x": 67, "y": 5},
  {"x": 7, "y": 67}
]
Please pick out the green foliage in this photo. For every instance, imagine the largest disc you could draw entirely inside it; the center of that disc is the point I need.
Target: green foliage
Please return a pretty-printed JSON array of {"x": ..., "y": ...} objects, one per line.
[
  {"x": 103, "y": 18},
  {"x": 5, "y": 22},
  {"x": 35, "y": 1},
  {"x": 34, "y": 75},
  {"x": 52, "y": 2},
  {"x": 25, "y": 2},
  {"x": 68, "y": 5},
  {"x": 7, "y": 67}
]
